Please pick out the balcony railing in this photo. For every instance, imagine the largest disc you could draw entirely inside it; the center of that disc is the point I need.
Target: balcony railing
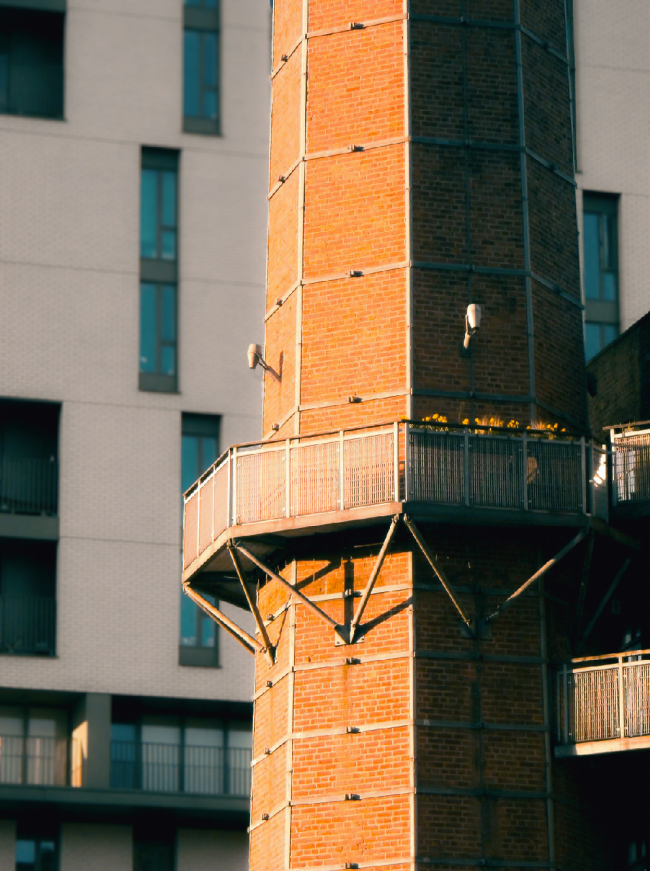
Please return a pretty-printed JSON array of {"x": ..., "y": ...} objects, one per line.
[
  {"x": 604, "y": 698},
  {"x": 34, "y": 761},
  {"x": 172, "y": 768},
  {"x": 450, "y": 467},
  {"x": 631, "y": 465},
  {"x": 28, "y": 486},
  {"x": 27, "y": 625}
]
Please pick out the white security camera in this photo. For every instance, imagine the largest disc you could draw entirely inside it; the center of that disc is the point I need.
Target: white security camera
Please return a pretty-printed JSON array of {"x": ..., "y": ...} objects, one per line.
[
  {"x": 472, "y": 323},
  {"x": 254, "y": 355}
]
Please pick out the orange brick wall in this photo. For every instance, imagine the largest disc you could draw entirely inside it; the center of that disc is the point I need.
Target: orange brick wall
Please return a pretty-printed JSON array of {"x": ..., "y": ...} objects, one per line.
[{"x": 395, "y": 156}]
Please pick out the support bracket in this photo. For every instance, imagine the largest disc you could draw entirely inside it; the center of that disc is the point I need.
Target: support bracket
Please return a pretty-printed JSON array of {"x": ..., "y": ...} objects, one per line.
[
  {"x": 340, "y": 630},
  {"x": 251, "y": 644},
  {"x": 415, "y": 532},
  {"x": 354, "y": 625},
  {"x": 538, "y": 574},
  {"x": 268, "y": 649}
]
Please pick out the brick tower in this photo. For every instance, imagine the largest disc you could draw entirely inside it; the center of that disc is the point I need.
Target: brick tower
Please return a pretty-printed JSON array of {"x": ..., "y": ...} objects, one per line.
[{"x": 421, "y": 161}]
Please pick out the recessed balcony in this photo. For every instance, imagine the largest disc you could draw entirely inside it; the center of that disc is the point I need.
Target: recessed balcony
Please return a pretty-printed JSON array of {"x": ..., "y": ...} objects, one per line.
[
  {"x": 603, "y": 704},
  {"x": 323, "y": 482}
]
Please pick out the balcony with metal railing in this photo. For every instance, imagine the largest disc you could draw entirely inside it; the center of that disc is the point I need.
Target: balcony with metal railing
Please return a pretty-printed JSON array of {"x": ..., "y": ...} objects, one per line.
[
  {"x": 27, "y": 625},
  {"x": 317, "y": 483},
  {"x": 631, "y": 469},
  {"x": 603, "y": 704},
  {"x": 36, "y": 761},
  {"x": 28, "y": 486},
  {"x": 209, "y": 771}
]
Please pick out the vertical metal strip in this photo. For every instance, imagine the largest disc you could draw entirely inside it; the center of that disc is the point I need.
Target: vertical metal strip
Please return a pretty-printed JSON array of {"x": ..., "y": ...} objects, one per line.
[
  {"x": 233, "y": 519},
  {"x": 291, "y": 677},
  {"x": 530, "y": 326},
  {"x": 396, "y": 462},
  {"x": 524, "y": 443},
  {"x": 287, "y": 479},
  {"x": 302, "y": 174},
  {"x": 565, "y": 696},
  {"x": 548, "y": 753},
  {"x": 408, "y": 206},
  {"x": 273, "y": 64},
  {"x": 412, "y": 715},
  {"x": 341, "y": 473},
  {"x": 621, "y": 700}
]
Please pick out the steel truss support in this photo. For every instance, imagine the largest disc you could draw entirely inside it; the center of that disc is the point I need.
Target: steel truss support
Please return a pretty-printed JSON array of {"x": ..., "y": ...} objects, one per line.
[
  {"x": 608, "y": 595},
  {"x": 373, "y": 578},
  {"x": 415, "y": 532},
  {"x": 251, "y": 644},
  {"x": 268, "y": 649},
  {"x": 538, "y": 574},
  {"x": 296, "y": 592}
]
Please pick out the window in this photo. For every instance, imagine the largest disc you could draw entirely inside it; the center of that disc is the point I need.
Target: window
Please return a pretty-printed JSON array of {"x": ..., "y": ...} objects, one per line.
[
  {"x": 36, "y": 851},
  {"x": 172, "y": 754},
  {"x": 600, "y": 271},
  {"x": 201, "y": 67},
  {"x": 199, "y": 449},
  {"x": 33, "y": 746},
  {"x": 159, "y": 270},
  {"x": 31, "y": 61},
  {"x": 27, "y": 597}
]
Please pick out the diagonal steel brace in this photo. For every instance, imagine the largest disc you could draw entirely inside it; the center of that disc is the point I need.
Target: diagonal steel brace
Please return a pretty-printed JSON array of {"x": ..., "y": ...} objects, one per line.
[
  {"x": 251, "y": 644},
  {"x": 373, "y": 578},
  {"x": 268, "y": 648},
  {"x": 538, "y": 574},
  {"x": 415, "y": 532},
  {"x": 296, "y": 592}
]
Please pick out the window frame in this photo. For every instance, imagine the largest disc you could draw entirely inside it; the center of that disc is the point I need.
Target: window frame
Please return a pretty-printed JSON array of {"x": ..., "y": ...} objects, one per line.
[
  {"x": 203, "y": 20},
  {"x": 159, "y": 271},
  {"x": 48, "y": 14},
  {"x": 602, "y": 312},
  {"x": 200, "y": 426}
]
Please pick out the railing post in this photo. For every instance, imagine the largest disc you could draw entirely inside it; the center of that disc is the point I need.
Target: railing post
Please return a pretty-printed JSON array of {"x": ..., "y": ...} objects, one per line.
[
  {"x": 621, "y": 700},
  {"x": 612, "y": 464},
  {"x": 396, "y": 462},
  {"x": 233, "y": 494},
  {"x": 583, "y": 461},
  {"x": 341, "y": 473},
  {"x": 407, "y": 462},
  {"x": 287, "y": 479},
  {"x": 524, "y": 446},
  {"x": 466, "y": 467},
  {"x": 565, "y": 696}
]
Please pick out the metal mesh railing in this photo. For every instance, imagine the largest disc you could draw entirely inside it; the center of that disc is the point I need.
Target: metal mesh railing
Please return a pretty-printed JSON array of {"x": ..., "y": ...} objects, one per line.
[
  {"x": 351, "y": 469},
  {"x": 604, "y": 701},
  {"x": 631, "y": 463}
]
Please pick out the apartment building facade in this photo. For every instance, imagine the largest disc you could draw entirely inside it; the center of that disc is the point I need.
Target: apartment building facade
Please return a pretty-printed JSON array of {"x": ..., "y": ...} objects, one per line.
[
  {"x": 134, "y": 153},
  {"x": 612, "y": 71}
]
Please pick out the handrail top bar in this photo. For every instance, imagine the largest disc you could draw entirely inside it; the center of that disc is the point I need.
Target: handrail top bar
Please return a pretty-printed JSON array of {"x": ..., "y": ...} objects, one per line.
[
  {"x": 426, "y": 425},
  {"x": 610, "y": 655},
  {"x": 627, "y": 425}
]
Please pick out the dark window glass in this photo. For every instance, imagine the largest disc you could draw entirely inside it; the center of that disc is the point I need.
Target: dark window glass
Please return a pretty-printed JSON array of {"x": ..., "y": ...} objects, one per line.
[
  {"x": 36, "y": 854},
  {"x": 31, "y": 62},
  {"x": 201, "y": 67},
  {"x": 600, "y": 271},
  {"x": 159, "y": 270},
  {"x": 199, "y": 450}
]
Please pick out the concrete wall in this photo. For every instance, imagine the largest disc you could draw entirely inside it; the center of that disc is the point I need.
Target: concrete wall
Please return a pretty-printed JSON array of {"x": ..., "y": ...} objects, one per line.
[
  {"x": 70, "y": 328},
  {"x": 613, "y": 113},
  {"x": 198, "y": 850},
  {"x": 102, "y": 848}
]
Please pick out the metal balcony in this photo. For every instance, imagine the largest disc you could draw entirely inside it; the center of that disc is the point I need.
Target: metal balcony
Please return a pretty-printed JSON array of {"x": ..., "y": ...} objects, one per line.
[
  {"x": 28, "y": 486},
  {"x": 603, "y": 704},
  {"x": 631, "y": 468},
  {"x": 27, "y": 625},
  {"x": 321, "y": 482},
  {"x": 171, "y": 768}
]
